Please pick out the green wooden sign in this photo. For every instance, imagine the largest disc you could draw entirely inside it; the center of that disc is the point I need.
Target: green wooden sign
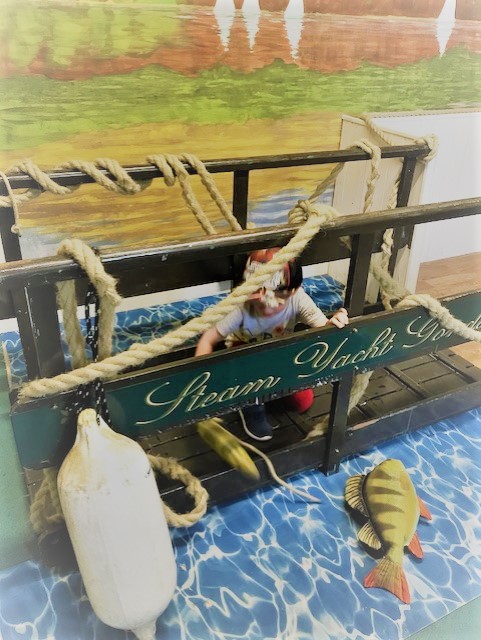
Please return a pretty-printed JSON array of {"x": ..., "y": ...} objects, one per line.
[{"x": 183, "y": 392}]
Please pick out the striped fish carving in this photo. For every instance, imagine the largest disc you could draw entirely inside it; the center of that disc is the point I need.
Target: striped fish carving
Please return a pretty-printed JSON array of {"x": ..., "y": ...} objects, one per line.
[{"x": 387, "y": 498}]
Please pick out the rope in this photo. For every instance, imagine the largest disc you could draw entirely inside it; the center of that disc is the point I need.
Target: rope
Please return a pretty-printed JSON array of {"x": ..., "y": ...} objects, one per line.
[
  {"x": 375, "y": 153},
  {"x": 122, "y": 184},
  {"x": 194, "y": 488},
  {"x": 358, "y": 389},
  {"x": 45, "y": 509},
  {"x": 170, "y": 165},
  {"x": 106, "y": 289},
  {"x": 430, "y": 140},
  {"x": 46, "y": 512},
  {"x": 212, "y": 189},
  {"x": 67, "y": 301},
  {"x": 139, "y": 353},
  {"x": 173, "y": 168},
  {"x": 12, "y": 202}
]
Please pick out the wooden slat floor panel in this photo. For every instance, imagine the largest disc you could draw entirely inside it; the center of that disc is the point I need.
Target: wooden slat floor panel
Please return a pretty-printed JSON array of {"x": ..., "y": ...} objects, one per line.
[
  {"x": 390, "y": 390},
  {"x": 422, "y": 377}
]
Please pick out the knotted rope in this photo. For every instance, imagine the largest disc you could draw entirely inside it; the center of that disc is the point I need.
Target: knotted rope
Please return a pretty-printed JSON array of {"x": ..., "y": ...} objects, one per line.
[
  {"x": 390, "y": 290},
  {"x": 106, "y": 290},
  {"x": 12, "y": 202},
  {"x": 45, "y": 510},
  {"x": 170, "y": 165},
  {"x": 173, "y": 168},
  {"x": 430, "y": 140},
  {"x": 139, "y": 353}
]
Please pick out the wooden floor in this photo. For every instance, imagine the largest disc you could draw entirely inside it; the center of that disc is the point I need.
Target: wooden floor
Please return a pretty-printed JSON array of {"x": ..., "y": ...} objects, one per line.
[{"x": 448, "y": 277}]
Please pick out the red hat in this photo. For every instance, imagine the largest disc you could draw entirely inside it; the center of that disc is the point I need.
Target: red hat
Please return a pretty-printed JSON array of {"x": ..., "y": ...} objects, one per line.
[{"x": 287, "y": 278}]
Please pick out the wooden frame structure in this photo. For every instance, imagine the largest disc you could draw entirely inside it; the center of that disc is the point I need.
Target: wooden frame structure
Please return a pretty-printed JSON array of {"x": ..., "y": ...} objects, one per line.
[{"x": 27, "y": 292}]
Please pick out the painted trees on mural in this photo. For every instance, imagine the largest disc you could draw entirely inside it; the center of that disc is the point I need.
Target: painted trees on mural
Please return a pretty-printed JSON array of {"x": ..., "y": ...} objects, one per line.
[{"x": 229, "y": 78}]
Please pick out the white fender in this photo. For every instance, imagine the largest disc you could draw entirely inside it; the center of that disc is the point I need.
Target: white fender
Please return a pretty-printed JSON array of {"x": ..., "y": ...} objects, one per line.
[{"x": 116, "y": 522}]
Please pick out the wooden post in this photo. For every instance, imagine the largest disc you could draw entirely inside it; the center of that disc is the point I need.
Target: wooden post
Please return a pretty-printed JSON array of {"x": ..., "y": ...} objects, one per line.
[
  {"x": 354, "y": 302},
  {"x": 403, "y": 235},
  {"x": 10, "y": 240},
  {"x": 240, "y": 201},
  {"x": 36, "y": 311}
]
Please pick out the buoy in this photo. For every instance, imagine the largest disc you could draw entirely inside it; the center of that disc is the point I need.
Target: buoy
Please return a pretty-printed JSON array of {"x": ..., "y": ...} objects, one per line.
[{"x": 116, "y": 522}]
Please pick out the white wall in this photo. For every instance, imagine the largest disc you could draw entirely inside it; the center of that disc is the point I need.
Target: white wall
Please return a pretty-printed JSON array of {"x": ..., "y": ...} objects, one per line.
[{"x": 454, "y": 173}]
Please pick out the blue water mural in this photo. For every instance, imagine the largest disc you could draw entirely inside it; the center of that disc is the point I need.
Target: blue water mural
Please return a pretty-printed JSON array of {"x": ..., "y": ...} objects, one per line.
[
  {"x": 143, "y": 325},
  {"x": 272, "y": 567},
  {"x": 274, "y": 209}
]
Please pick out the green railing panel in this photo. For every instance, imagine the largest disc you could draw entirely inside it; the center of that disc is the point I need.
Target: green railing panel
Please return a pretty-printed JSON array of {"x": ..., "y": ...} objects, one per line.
[{"x": 185, "y": 391}]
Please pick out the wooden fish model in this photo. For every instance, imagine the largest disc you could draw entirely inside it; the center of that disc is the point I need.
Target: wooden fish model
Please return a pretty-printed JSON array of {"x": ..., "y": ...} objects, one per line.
[
  {"x": 388, "y": 498},
  {"x": 227, "y": 446}
]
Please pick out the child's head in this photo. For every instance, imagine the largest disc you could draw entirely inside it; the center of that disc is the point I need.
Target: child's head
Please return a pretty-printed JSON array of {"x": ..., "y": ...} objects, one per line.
[{"x": 272, "y": 297}]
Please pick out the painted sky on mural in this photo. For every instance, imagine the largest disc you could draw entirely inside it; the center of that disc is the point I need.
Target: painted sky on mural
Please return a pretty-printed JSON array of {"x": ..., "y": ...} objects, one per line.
[{"x": 218, "y": 79}]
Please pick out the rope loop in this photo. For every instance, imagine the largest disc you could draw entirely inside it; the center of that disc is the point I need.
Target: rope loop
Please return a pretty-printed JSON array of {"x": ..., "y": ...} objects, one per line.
[
  {"x": 172, "y": 168},
  {"x": 170, "y": 467},
  {"x": 431, "y": 140},
  {"x": 13, "y": 203},
  {"x": 212, "y": 189},
  {"x": 161, "y": 163},
  {"x": 123, "y": 183},
  {"x": 105, "y": 286}
]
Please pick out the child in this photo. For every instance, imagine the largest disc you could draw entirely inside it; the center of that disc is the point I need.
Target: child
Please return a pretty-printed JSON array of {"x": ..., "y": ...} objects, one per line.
[{"x": 272, "y": 311}]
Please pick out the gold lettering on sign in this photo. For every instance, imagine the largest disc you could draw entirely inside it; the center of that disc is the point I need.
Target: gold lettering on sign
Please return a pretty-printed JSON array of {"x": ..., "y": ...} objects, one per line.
[
  {"x": 201, "y": 393},
  {"x": 318, "y": 357},
  {"x": 431, "y": 331},
  {"x": 197, "y": 395}
]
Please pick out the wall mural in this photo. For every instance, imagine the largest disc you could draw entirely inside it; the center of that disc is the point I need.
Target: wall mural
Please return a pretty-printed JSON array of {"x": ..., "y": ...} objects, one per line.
[{"x": 225, "y": 78}]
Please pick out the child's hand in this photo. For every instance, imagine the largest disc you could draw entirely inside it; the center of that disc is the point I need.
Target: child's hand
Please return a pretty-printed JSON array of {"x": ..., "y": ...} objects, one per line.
[{"x": 340, "y": 319}]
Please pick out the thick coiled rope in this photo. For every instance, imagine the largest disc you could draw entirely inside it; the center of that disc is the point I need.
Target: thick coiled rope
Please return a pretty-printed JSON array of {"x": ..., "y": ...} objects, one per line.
[
  {"x": 106, "y": 289},
  {"x": 391, "y": 291},
  {"x": 171, "y": 166},
  {"x": 46, "y": 512},
  {"x": 138, "y": 353}
]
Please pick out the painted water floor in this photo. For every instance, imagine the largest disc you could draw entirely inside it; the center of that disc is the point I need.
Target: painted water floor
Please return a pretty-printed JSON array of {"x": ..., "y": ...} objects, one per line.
[{"x": 270, "y": 566}]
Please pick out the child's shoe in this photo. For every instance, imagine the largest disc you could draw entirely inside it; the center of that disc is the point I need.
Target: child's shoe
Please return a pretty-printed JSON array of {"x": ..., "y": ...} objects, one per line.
[
  {"x": 300, "y": 401},
  {"x": 255, "y": 422}
]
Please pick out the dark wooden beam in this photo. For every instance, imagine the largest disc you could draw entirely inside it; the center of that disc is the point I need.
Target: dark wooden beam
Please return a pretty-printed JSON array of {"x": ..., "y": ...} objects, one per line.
[
  {"x": 55, "y": 269},
  {"x": 149, "y": 172},
  {"x": 39, "y": 330},
  {"x": 10, "y": 240}
]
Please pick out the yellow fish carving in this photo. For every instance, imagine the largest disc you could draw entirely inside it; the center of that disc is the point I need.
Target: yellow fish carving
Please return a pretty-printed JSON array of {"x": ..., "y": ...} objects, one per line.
[
  {"x": 387, "y": 497},
  {"x": 227, "y": 446}
]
